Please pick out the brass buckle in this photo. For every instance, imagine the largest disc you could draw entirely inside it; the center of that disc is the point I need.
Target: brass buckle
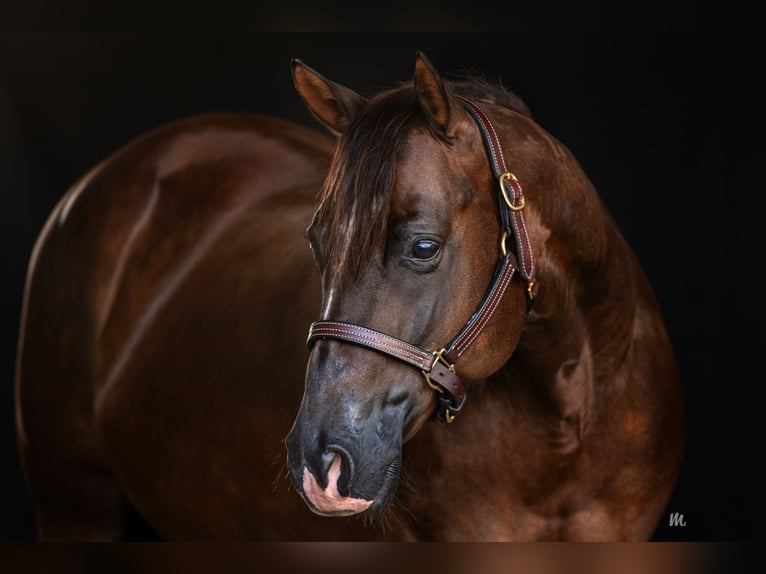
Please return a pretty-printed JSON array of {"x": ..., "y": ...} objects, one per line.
[
  {"x": 446, "y": 407},
  {"x": 530, "y": 293},
  {"x": 504, "y": 177},
  {"x": 438, "y": 356}
]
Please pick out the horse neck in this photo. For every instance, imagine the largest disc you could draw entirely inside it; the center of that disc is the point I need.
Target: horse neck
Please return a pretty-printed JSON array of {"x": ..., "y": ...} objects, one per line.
[{"x": 579, "y": 334}]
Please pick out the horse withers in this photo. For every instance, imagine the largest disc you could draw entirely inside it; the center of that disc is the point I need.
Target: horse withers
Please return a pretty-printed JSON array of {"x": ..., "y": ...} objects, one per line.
[{"x": 468, "y": 273}]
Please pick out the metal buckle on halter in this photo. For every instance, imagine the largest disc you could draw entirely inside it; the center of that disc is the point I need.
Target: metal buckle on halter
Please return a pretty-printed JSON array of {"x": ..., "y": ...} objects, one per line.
[
  {"x": 531, "y": 290},
  {"x": 438, "y": 356},
  {"x": 531, "y": 285},
  {"x": 512, "y": 206},
  {"x": 447, "y": 410}
]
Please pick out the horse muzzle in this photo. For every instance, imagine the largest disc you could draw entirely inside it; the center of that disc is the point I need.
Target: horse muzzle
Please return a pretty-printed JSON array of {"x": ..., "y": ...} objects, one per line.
[{"x": 337, "y": 479}]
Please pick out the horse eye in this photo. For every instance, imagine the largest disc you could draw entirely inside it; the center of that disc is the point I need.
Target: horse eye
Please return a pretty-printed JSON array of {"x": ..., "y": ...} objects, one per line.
[{"x": 425, "y": 249}]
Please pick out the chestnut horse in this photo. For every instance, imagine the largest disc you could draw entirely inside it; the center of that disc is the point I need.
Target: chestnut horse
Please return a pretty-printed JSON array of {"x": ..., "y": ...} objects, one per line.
[{"x": 486, "y": 361}]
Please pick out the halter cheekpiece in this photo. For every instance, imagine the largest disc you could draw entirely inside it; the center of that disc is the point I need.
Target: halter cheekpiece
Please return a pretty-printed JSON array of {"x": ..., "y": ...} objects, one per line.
[{"x": 438, "y": 367}]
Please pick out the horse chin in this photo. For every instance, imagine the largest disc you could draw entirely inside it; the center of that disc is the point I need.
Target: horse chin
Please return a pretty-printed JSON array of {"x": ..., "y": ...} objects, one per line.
[{"x": 330, "y": 502}]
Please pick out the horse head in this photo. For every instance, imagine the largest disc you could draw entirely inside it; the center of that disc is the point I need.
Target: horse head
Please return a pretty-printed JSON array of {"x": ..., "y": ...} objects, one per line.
[{"x": 407, "y": 239}]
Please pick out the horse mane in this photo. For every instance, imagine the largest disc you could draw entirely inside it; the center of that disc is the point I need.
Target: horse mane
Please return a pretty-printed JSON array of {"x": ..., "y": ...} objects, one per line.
[
  {"x": 355, "y": 198},
  {"x": 479, "y": 88}
]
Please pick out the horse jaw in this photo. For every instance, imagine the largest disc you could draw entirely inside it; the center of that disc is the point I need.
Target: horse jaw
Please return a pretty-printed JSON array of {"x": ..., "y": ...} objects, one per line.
[{"x": 328, "y": 501}]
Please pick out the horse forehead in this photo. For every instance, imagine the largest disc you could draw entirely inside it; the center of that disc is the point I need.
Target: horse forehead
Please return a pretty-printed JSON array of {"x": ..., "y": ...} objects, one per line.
[{"x": 427, "y": 166}]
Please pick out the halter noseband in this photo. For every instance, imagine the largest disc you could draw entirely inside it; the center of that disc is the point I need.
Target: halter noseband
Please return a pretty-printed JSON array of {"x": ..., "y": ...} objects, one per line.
[{"x": 438, "y": 367}]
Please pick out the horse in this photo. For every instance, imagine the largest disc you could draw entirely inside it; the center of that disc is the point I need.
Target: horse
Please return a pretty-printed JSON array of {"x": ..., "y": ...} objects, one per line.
[{"x": 425, "y": 327}]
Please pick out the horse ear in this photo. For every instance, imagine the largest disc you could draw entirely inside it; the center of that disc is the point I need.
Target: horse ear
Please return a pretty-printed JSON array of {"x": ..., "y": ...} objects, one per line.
[
  {"x": 332, "y": 104},
  {"x": 437, "y": 101}
]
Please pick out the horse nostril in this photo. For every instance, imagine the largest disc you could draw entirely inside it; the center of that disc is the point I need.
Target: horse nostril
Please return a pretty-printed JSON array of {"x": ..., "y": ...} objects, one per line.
[
  {"x": 327, "y": 458},
  {"x": 340, "y": 467}
]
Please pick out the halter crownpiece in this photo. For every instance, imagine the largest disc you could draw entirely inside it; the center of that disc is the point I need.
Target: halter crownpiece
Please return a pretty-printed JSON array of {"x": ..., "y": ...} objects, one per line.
[{"x": 438, "y": 367}]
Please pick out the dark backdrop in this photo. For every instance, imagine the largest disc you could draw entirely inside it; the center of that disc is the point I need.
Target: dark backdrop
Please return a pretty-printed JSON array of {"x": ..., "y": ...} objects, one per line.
[{"x": 660, "y": 112}]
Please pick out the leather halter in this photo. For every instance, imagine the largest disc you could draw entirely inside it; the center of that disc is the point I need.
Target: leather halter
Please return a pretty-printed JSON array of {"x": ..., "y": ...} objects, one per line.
[{"x": 438, "y": 367}]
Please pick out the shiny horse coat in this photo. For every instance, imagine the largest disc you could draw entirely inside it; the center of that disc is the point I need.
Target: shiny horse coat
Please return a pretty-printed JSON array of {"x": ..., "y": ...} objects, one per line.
[{"x": 163, "y": 366}]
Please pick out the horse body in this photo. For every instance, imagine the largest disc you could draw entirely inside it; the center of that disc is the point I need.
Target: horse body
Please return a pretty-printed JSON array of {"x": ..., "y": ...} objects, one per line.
[
  {"x": 163, "y": 339},
  {"x": 170, "y": 295}
]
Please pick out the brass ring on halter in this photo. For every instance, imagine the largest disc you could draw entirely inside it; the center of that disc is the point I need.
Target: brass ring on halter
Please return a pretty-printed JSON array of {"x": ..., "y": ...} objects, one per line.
[
  {"x": 449, "y": 417},
  {"x": 504, "y": 177},
  {"x": 503, "y": 249}
]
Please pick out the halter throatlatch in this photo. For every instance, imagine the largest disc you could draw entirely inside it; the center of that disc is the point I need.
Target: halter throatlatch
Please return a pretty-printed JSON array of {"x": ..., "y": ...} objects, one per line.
[{"x": 438, "y": 367}]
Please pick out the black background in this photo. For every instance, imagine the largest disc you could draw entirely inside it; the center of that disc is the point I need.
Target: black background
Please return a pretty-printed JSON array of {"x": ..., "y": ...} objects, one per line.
[{"x": 660, "y": 106}]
